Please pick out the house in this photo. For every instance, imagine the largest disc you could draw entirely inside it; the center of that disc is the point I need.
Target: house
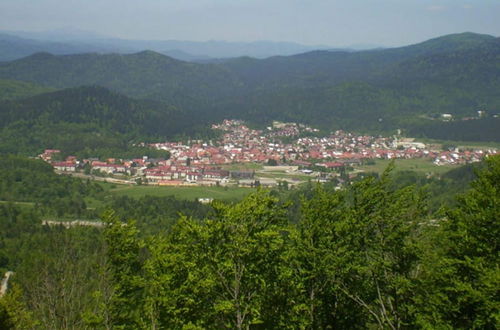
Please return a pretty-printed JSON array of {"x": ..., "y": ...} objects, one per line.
[
  {"x": 215, "y": 174},
  {"x": 193, "y": 176},
  {"x": 64, "y": 166},
  {"x": 109, "y": 168},
  {"x": 331, "y": 165},
  {"x": 242, "y": 174},
  {"x": 48, "y": 153}
]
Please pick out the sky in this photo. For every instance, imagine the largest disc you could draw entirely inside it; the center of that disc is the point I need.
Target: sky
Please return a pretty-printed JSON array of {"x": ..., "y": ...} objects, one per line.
[{"x": 310, "y": 22}]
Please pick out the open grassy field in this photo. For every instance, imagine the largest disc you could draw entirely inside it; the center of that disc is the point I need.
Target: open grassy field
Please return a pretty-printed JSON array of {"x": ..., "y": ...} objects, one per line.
[
  {"x": 243, "y": 167},
  {"x": 417, "y": 165},
  {"x": 189, "y": 193}
]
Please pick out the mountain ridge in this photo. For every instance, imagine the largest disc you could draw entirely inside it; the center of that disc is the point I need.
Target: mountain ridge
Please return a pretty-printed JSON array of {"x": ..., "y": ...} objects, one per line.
[{"x": 16, "y": 44}]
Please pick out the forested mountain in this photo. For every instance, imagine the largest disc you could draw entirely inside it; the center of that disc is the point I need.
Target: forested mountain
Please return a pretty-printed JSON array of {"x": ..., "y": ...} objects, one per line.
[
  {"x": 331, "y": 67},
  {"x": 86, "y": 118},
  {"x": 379, "y": 90},
  {"x": 456, "y": 74},
  {"x": 145, "y": 75},
  {"x": 91, "y": 105}
]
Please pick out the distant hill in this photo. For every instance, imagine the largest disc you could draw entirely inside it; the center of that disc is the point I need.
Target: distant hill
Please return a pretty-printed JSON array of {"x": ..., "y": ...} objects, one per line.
[
  {"x": 73, "y": 42},
  {"x": 144, "y": 75},
  {"x": 184, "y": 56},
  {"x": 331, "y": 67},
  {"x": 85, "y": 118},
  {"x": 13, "y": 47},
  {"x": 378, "y": 90},
  {"x": 214, "y": 48}
]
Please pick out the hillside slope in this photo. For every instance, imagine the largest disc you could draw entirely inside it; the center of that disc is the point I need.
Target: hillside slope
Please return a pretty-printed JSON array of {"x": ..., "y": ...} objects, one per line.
[
  {"x": 12, "y": 89},
  {"x": 85, "y": 118},
  {"x": 145, "y": 75}
]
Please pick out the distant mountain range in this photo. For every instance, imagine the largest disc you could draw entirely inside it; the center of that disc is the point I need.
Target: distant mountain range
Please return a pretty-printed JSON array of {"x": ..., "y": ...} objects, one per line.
[
  {"x": 18, "y": 44},
  {"x": 375, "y": 90}
]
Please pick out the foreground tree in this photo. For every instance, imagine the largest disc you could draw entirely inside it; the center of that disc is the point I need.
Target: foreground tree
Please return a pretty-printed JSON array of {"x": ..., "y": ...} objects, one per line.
[
  {"x": 219, "y": 273},
  {"x": 126, "y": 308},
  {"x": 312, "y": 262},
  {"x": 243, "y": 245},
  {"x": 462, "y": 269},
  {"x": 14, "y": 313},
  {"x": 376, "y": 257}
]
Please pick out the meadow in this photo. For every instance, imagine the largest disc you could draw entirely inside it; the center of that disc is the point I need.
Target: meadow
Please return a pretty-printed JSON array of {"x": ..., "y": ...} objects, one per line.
[
  {"x": 187, "y": 193},
  {"x": 418, "y": 165}
]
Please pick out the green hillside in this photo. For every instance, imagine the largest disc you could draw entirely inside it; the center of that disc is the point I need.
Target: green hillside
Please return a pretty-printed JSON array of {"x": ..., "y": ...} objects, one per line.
[
  {"x": 145, "y": 75},
  {"x": 86, "y": 119},
  {"x": 11, "y": 89}
]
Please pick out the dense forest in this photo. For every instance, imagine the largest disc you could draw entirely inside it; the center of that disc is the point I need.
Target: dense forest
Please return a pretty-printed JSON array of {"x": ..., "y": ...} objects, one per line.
[
  {"x": 376, "y": 90},
  {"x": 375, "y": 254},
  {"x": 11, "y": 89},
  {"x": 91, "y": 122}
]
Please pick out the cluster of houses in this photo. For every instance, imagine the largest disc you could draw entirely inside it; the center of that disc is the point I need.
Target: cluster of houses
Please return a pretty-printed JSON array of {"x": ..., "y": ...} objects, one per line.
[
  {"x": 151, "y": 171},
  {"x": 110, "y": 166},
  {"x": 199, "y": 162},
  {"x": 240, "y": 144}
]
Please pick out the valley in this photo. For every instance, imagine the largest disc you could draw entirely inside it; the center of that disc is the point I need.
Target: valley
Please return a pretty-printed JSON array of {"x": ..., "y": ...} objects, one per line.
[
  {"x": 332, "y": 188},
  {"x": 285, "y": 153}
]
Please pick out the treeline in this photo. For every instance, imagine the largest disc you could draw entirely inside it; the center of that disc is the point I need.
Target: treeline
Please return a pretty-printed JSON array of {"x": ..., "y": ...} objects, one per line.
[
  {"x": 34, "y": 182},
  {"x": 155, "y": 214},
  {"x": 368, "y": 256}
]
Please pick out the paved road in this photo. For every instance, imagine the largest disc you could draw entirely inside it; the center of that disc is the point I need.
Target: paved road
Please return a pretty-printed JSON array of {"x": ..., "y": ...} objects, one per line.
[
  {"x": 5, "y": 283},
  {"x": 74, "y": 223}
]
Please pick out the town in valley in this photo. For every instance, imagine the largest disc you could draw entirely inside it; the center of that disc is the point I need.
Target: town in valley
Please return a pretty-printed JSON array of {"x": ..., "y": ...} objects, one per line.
[{"x": 284, "y": 153}]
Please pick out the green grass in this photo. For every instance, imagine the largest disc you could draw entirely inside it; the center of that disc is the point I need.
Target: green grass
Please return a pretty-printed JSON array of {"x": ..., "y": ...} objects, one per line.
[
  {"x": 243, "y": 167},
  {"x": 417, "y": 165},
  {"x": 93, "y": 203},
  {"x": 187, "y": 193}
]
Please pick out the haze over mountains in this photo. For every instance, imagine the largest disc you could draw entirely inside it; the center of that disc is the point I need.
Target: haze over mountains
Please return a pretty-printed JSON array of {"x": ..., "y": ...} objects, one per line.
[{"x": 18, "y": 44}]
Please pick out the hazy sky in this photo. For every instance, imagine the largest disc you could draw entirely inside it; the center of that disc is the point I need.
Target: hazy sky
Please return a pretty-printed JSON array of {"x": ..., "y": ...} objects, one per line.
[{"x": 329, "y": 22}]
